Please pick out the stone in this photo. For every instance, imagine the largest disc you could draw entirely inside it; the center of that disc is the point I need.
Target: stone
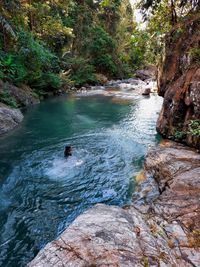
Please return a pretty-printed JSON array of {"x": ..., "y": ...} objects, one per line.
[
  {"x": 9, "y": 118},
  {"x": 146, "y": 91},
  {"x": 140, "y": 177},
  {"x": 24, "y": 95},
  {"x": 149, "y": 72}
]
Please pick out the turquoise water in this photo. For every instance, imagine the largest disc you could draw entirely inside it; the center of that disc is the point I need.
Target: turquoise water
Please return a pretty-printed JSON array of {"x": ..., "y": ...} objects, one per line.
[{"x": 42, "y": 192}]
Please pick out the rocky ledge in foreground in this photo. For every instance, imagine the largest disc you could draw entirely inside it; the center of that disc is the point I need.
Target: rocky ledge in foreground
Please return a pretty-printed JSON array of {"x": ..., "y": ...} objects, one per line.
[
  {"x": 9, "y": 118},
  {"x": 162, "y": 228}
]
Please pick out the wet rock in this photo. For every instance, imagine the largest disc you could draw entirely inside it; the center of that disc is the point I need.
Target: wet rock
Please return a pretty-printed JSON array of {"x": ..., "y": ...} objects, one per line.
[
  {"x": 146, "y": 92},
  {"x": 120, "y": 90},
  {"x": 9, "y": 118},
  {"x": 130, "y": 81},
  {"x": 113, "y": 82}
]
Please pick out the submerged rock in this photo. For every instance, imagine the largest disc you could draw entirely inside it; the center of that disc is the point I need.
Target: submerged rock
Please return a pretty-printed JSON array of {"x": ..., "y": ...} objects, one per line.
[
  {"x": 9, "y": 118},
  {"x": 162, "y": 230}
]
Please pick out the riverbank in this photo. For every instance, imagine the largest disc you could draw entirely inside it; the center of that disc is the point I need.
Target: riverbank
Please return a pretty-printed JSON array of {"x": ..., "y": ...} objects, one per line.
[
  {"x": 15, "y": 98},
  {"x": 160, "y": 228}
]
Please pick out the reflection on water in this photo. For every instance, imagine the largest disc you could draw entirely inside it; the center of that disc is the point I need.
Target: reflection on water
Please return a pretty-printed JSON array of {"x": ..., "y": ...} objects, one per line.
[{"x": 42, "y": 192}]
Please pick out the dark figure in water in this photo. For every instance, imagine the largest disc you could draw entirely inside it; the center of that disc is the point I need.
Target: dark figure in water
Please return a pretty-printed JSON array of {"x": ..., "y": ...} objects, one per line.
[{"x": 68, "y": 151}]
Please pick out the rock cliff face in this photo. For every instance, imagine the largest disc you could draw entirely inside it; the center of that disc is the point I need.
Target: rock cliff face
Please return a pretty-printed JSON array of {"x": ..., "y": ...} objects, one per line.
[
  {"x": 179, "y": 83},
  {"x": 23, "y": 96},
  {"x": 161, "y": 228}
]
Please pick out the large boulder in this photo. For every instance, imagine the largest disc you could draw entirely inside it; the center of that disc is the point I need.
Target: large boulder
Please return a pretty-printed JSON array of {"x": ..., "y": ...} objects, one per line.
[
  {"x": 146, "y": 91},
  {"x": 161, "y": 228},
  {"x": 9, "y": 118},
  {"x": 148, "y": 72},
  {"x": 23, "y": 96},
  {"x": 178, "y": 83}
]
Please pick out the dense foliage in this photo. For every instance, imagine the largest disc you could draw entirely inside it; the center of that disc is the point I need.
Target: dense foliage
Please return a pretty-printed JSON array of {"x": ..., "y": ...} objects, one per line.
[
  {"x": 163, "y": 16},
  {"x": 46, "y": 44}
]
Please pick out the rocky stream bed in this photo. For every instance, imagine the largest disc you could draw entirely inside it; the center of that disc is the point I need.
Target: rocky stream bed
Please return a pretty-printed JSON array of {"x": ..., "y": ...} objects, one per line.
[{"x": 160, "y": 228}]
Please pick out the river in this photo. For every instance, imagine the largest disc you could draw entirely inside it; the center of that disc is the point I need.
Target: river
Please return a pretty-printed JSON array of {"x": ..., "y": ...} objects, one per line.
[{"x": 42, "y": 192}]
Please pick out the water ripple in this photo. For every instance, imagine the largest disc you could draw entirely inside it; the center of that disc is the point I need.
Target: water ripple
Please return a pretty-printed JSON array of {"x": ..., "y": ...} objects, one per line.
[{"x": 42, "y": 192}]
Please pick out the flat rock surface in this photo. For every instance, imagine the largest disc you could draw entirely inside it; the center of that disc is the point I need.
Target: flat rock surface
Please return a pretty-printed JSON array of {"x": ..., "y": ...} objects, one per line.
[
  {"x": 160, "y": 230},
  {"x": 107, "y": 236},
  {"x": 9, "y": 118}
]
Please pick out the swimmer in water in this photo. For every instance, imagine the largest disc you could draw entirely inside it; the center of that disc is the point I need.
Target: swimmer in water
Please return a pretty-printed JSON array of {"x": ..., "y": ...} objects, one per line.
[{"x": 68, "y": 151}]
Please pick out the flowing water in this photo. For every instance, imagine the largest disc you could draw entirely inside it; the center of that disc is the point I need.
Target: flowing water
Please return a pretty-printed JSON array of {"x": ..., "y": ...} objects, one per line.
[{"x": 41, "y": 192}]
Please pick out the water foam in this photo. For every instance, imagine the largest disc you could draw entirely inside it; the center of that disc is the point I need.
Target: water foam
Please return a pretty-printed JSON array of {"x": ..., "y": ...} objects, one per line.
[{"x": 62, "y": 167}]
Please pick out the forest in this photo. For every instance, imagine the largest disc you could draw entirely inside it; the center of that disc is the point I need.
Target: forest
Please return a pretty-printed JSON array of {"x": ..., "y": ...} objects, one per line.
[{"x": 56, "y": 43}]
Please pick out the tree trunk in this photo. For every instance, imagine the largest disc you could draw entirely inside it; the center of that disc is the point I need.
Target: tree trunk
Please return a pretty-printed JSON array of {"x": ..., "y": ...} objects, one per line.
[{"x": 30, "y": 17}]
